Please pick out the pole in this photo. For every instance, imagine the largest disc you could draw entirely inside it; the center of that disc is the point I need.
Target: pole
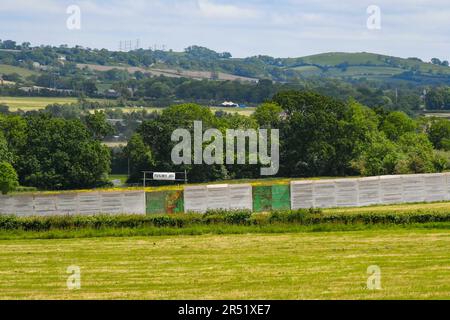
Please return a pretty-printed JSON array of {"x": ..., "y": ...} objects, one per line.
[
  {"x": 185, "y": 177},
  {"x": 129, "y": 172},
  {"x": 145, "y": 178}
]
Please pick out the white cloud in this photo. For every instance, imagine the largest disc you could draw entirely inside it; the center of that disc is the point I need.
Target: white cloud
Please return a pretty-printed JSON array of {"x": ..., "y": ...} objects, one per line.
[
  {"x": 225, "y": 11},
  {"x": 243, "y": 27},
  {"x": 30, "y": 6}
]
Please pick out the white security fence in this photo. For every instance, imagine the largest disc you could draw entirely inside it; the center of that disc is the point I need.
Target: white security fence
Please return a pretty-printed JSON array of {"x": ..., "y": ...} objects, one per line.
[
  {"x": 229, "y": 197},
  {"x": 83, "y": 203},
  {"x": 370, "y": 191},
  {"x": 304, "y": 194}
]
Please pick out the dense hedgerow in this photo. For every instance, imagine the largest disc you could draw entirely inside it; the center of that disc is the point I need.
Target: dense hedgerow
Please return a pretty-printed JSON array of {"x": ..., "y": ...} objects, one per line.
[{"x": 219, "y": 217}]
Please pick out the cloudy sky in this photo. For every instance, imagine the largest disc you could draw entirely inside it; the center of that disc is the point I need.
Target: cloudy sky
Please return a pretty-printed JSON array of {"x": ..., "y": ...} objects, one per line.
[{"x": 281, "y": 28}]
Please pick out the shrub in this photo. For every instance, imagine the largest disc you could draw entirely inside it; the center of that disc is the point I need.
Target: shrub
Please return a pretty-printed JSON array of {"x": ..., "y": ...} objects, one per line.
[
  {"x": 9, "y": 180},
  {"x": 220, "y": 217}
]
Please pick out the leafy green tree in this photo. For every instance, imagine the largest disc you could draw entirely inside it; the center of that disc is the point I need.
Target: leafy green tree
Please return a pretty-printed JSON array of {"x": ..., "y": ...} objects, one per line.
[
  {"x": 61, "y": 154},
  {"x": 159, "y": 90},
  {"x": 439, "y": 133},
  {"x": 98, "y": 126},
  {"x": 320, "y": 135},
  {"x": 14, "y": 130},
  {"x": 5, "y": 154},
  {"x": 380, "y": 157},
  {"x": 396, "y": 124},
  {"x": 418, "y": 154},
  {"x": 438, "y": 98},
  {"x": 8, "y": 178},
  {"x": 436, "y": 61},
  {"x": 140, "y": 157},
  {"x": 268, "y": 115},
  {"x": 157, "y": 134}
]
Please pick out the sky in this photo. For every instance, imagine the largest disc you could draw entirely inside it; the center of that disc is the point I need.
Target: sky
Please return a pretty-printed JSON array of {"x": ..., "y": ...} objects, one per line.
[{"x": 279, "y": 28}]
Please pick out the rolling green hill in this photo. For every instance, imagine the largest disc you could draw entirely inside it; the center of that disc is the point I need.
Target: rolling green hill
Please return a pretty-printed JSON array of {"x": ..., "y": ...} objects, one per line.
[
  {"x": 7, "y": 69},
  {"x": 367, "y": 65},
  {"x": 204, "y": 64}
]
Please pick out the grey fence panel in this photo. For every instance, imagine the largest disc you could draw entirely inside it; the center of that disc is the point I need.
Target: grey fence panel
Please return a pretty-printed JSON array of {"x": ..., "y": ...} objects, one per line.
[
  {"x": 134, "y": 202},
  {"x": 346, "y": 193},
  {"x": 214, "y": 197},
  {"x": 89, "y": 203},
  {"x": 218, "y": 197},
  {"x": 241, "y": 196},
  {"x": 325, "y": 194},
  {"x": 24, "y": 206},
  {"x": 435, "y": 187},
  {"x": 413, "y": 188},
  {"x": 447, "y": 177},
  {"x": 302, "y": 195},
  {"x": 67, "y": 204},
  {"x": 84, "y": 203},
  {"x": 7, "y": 205},
  {"x": 196, "y": 199},
  {"x": 369, "y": 191},
  {"x": 391, "y": 189},
  {"x": 112, "y": 202},
  {"x": 45, "y": 206}
]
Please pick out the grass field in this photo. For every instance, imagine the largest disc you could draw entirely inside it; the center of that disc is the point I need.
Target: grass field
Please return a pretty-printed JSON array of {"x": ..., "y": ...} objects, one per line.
[
  {"x": 7, "y": 69},
  {"x": 38, "y": 103},
  {"x": 414, "y": 265}
]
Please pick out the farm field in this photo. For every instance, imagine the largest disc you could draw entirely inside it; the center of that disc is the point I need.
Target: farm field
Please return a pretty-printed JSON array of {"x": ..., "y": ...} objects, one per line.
[
  {"x": 38, "y": 103},
  {"x": 167, "y": 72},
  {"x": 7, "y": 69},
  {"x": 414, "y": 265}
]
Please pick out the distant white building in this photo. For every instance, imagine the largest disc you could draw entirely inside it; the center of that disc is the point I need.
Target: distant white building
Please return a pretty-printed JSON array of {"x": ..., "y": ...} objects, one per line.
[{"x": 230, "y": 104}]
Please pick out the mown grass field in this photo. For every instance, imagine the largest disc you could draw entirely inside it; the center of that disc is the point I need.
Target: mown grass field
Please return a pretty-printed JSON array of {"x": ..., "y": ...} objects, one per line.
[{"x": 415, "y": 264}]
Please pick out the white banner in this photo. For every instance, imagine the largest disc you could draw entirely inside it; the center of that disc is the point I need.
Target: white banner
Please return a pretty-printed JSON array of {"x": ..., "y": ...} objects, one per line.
[{"x": 164, "y": 176}]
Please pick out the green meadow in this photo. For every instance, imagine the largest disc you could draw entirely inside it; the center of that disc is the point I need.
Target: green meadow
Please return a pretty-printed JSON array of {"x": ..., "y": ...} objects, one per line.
[{"x": 414, "y": 264}]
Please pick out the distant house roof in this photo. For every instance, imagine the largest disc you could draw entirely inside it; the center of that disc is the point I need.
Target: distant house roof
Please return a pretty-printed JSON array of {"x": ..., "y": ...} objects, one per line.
[{"x": 229, "y": 104}]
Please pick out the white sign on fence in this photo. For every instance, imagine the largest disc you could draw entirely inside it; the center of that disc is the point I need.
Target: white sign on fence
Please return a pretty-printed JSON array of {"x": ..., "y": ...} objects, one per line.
[{"x": 164, "y": 176}]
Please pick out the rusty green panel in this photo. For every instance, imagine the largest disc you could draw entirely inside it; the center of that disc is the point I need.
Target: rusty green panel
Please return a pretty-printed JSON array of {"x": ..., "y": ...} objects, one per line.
[
  {"x": 165, "y": 202},
  {"x": 175, "y": 202},
  {"x": 281, "y": 197},
  {"x": 262, "y": 198},
  {"x": 156, "y": 202}
]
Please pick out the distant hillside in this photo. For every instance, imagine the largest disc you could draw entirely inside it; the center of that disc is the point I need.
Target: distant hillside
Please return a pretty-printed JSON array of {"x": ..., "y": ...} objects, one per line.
[
  {"x": 171, "y": 73},
  {"x": 347, "y": 66},
  {"x": 202, "y": 63},
  {"x": 367, "y": 65}
]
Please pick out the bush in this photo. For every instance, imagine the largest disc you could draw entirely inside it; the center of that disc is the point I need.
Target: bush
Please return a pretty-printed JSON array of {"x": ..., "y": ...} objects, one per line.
[
  {"x": 221, "y": 217},
  {"x": 238, "y": 217},
  {"x": 9, "y": 180}
]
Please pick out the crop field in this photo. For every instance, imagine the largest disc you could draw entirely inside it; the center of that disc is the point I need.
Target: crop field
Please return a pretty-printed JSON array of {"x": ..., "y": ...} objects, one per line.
[
  {"x": 414, "y": 264},
  {"x": 35, "y": 103},
  {"x": 38, "y": 103}
]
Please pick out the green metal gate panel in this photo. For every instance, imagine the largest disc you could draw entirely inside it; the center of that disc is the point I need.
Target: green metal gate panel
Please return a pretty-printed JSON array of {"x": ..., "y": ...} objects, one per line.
[
  {"x": 165, "y": 202},
  {"x": 156, "y": 202},
  {"x": 262, "y": 198},
  {"x": 281, "y": 197}
]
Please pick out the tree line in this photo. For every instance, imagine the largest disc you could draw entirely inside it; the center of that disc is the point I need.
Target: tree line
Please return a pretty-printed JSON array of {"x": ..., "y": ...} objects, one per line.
[{"x": 319, "y": 136}]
